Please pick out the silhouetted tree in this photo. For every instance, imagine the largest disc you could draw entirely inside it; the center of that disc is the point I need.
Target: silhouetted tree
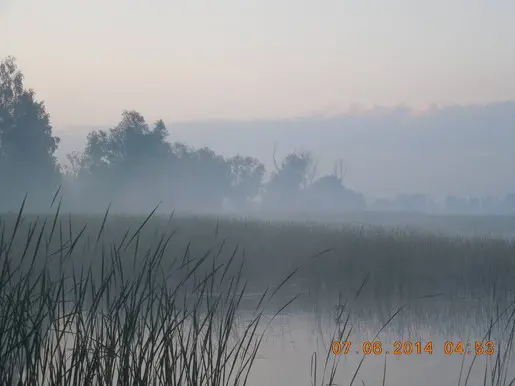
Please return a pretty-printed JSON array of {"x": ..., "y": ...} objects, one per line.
[
  {"x": 134, "y": 163},
  {"x": 246, "y": 175},
  {"x": 201, "y": 179},
  {"x": 123, "y": 162},
  {"x": 295, "y": 172},
  {"x": 328, "y": 194},
  {"x": 27, "y": 146}
]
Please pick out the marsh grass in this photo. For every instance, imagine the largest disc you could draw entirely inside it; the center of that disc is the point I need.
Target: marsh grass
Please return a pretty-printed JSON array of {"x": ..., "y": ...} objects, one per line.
[
  {"x": 403, "y": 263},
  {"x": 139, "y": 301},
  {"x": 155, "y": 325}
]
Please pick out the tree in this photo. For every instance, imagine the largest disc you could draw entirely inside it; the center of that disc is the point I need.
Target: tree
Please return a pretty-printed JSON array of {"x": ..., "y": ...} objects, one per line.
[
  {"x": 328, "y": 193},
  {"x": 75, "y": 164},
  {"x": 246, "y": 175},
  {"x": 27, "y": 146},
  {"x": 296, "y": 171},
  {"x": 124, "y": 161},
  {"x": 201, "y": 179}
]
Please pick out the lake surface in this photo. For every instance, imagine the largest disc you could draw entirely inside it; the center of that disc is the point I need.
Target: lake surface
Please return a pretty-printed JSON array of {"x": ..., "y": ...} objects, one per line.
[{"x": 286, "y": 354}]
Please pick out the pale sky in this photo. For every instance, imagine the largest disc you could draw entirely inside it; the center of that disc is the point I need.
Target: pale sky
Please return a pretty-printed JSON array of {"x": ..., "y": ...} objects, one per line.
[{"x": 189, "y": 60}]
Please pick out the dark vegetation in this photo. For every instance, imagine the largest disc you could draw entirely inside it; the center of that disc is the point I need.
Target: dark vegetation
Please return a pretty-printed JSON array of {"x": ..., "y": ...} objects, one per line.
[
  {"x": 401, "y": 265},
  {"x": 134, "y": 162},
  {"x": 134, "y": 300},
  {"x": 64, "y": 321}
]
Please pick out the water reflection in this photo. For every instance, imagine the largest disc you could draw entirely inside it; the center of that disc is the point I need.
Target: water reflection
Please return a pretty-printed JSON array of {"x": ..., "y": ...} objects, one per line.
[{"x": 295, "y": 339}]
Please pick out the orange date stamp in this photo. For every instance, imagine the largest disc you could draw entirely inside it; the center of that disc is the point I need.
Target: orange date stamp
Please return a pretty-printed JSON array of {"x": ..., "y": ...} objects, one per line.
[{"x": 413, "y": 348}]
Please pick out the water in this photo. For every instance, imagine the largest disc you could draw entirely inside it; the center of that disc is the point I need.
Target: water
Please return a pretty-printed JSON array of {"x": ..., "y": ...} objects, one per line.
[
  {"x": 287, "y": 352},
  {"x": 297, "y": 342},
  {"x": 453, "y": 326}
]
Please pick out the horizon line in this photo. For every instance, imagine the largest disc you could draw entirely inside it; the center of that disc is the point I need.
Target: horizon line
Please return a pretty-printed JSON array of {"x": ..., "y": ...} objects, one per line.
[{"x": 354, "y": 110}]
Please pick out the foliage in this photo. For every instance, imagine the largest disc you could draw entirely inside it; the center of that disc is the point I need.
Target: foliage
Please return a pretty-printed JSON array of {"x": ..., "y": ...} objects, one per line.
[
  {"x": 156, "y": 322},
  {"x": 27, "y": 146},
  {"x": 135, "y": 162}
]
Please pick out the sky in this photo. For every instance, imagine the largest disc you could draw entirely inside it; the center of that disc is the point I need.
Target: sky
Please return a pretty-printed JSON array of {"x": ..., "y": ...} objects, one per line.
[{"x": 196, "y": 60}]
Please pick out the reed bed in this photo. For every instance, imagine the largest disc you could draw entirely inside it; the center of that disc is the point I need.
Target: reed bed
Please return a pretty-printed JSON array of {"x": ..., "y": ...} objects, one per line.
[
  {"x": 160, "y": 324},
  {"x": 156, "y": 300}
]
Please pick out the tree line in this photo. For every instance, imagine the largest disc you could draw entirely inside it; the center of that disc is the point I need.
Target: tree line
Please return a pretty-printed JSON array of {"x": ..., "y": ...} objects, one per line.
[{"x": 136, "y": 161}]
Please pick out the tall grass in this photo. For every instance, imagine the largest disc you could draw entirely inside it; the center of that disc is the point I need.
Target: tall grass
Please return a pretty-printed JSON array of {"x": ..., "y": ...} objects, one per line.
[
  {"x": 152, "y": 301},
  {"x": 155, "y": 325},
  {"x": 403, "y": 263}
]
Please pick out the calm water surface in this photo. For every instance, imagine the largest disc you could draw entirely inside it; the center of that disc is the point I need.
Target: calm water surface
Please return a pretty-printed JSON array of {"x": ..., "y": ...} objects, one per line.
[{"x": 285, "y": 356}]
